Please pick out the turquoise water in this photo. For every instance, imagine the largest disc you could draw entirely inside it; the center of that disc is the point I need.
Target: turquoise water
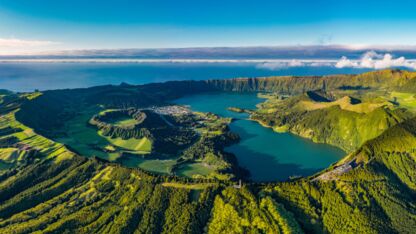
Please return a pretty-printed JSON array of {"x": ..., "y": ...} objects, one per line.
[{"x": 269, "y": 156}]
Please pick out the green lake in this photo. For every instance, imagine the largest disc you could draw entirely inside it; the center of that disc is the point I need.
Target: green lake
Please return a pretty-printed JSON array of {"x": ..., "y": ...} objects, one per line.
[{"x": 269, "y": 156}]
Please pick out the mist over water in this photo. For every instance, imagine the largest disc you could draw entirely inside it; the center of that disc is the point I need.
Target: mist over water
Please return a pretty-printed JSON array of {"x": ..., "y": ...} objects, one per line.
[{"x": 45, "y": 76}]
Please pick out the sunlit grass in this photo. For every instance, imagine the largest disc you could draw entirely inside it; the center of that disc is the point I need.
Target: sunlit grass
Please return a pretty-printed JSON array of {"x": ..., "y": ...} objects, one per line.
[
  {"x": 193, "y": 169},
  {"x": 406, "y": 100}
]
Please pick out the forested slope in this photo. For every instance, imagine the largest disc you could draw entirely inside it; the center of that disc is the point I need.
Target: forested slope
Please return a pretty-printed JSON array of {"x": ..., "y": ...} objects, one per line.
[
  {"x": 376, "y": 196},
  {"x": 46, "y": 188},
  {"x": 56, "y": 191},
  {"x": 52, "y": 190},
  {"x": 384, "y": 79}
]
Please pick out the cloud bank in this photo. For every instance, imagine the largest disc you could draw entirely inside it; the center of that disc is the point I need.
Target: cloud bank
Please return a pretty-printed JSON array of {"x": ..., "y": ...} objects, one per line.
[
  {"x": 270, "y": 58},
  {"x": 278, "y": 65},
  {"x": 297, "y": 52},
  {"x": 281, "y": 64},
  {"x": 369, "y": 60},
  {"x": 374, "y": 60}
]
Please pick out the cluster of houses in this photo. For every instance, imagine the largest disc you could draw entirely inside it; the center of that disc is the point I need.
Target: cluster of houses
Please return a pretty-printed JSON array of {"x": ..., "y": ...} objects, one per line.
[{"x": 171, "y": 110}]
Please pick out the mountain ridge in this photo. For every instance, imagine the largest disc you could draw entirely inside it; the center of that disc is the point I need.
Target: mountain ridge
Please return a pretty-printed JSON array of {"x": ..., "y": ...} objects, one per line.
[{"x": 53, "y": 190}]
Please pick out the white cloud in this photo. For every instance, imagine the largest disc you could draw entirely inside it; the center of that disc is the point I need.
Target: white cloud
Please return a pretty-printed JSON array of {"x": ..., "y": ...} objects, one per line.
[
  {"x": 14, "y": 46},
  {"x": 12, "y": 42},
  {"x": 374, "y": 60},
  {"x": 284, "y": 64},
  {"x": 281, "y": 64},
  {"x": 345, "y": 62},
  {"x": 321, "y": 64},
  {"x": 370, "y": 60},
  {"x": 295, "y": 63}
]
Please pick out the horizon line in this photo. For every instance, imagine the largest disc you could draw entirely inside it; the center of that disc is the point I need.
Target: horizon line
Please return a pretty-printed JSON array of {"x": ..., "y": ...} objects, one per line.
[{"x": 348, "y": 47}]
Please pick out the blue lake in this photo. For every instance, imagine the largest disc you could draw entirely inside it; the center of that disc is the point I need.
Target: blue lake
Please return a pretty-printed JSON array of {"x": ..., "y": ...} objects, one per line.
[{"x": 269, "y": 156}]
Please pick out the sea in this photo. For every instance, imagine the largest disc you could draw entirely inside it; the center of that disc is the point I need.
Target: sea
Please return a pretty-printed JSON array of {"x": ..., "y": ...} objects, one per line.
[{"x": 30, "y": 76}]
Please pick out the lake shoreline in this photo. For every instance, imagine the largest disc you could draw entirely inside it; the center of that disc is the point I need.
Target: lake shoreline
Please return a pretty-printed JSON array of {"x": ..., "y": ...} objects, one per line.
[{"x": 256, "y": 150}]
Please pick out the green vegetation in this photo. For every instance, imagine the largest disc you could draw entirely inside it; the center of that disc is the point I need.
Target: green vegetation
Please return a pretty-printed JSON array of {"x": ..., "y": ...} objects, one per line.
[
  {"x": 47, "y": 188},
  {"x": 194, "y": 170},
  {"x": 153, "y": 136},
  {"x": 346, "y": 122},
  {"x": 386, "y": 80},
  {"x": 238, "y": 211},
  {"x": 198, "y": 186},
  {"x": 124, "y": 122},
  {"x": 375, "y": 197},
  {"x": 4, "y": 166},
  {"x": 152, "y": 165},
  {"x": 143, "y": 145},
  {"x": 406, "y": 100},
  {"x": 236, "y": 109},
  {"x": 80, "y": 137}
]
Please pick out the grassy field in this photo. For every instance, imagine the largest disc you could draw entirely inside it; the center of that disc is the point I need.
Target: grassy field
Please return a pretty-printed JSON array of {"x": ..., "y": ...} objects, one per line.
[
  {"x": 194, "y": 169},
  {"x": 87, "y": 141},
  {"x": 344, "y": 103},
  {"x": 407, "y": 100},
  {"x": 81, "y": 137},
  {"x": 29, "y": 138},
  {"x": 153, "y": 165},
  {"x": 9, "y": 154},
  {"x": 143, "y": 145},
  {"x": 124, "y": 122},
  {"x": 121, "y": 121}
]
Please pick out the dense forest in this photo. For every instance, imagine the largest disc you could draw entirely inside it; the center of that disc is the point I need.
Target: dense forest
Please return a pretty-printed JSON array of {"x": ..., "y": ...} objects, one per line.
[{"x": 47, "y": 188}]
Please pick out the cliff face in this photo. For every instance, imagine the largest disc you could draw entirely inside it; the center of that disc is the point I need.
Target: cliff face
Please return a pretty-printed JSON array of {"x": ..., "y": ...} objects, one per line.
[
  {"x": 380, "y": 80},
  {"x": 346, "y": 122}
]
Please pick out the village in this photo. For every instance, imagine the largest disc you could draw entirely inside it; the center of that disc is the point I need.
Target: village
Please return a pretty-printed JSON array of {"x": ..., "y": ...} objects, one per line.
[{"x": 170, "y": 110}]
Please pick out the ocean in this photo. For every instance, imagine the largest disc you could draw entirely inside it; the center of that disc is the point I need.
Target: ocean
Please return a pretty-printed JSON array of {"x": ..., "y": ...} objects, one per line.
[{"x": 26, "y": 77}]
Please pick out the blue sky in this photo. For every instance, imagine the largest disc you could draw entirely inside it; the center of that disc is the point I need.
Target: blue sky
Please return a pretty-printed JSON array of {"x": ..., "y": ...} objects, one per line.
[{"x": 40, "y": 25}]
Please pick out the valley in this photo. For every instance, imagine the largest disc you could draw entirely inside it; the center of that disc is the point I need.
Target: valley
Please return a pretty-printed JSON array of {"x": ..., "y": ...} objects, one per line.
[{"x": 125, "y": 158}]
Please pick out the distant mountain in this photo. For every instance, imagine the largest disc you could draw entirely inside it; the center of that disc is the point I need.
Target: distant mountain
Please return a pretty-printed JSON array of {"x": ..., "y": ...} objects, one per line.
[{"x": 389, "y": 79}]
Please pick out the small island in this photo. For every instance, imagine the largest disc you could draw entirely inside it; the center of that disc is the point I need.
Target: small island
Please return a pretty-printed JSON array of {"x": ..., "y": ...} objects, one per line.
[{"x": 239, "y": 110}]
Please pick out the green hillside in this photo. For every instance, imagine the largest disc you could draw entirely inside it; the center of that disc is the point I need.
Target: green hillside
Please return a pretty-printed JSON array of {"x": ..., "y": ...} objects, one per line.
[
  {"x": 56, "y": 191},
  {"x": 341, "y": 122},
  {"x": 49, "y": 186},
  {"x": 375, "y": 196}
]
